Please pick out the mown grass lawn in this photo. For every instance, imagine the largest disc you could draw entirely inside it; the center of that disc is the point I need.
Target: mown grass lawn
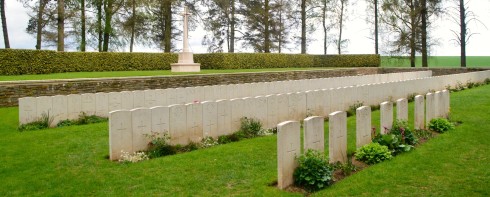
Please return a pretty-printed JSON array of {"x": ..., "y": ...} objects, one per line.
[{"x": 72, "y": 161}]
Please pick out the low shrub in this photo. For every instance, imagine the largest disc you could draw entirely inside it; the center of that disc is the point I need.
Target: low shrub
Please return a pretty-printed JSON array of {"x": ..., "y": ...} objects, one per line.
[
  {"x": 83, "y": 119},
  {"x": 398, "y": 139},
  {"x": 440, "y": 125},
  {"x": 352, "y": 109},
  {"x": 42, "y": 123},
  {"x": 423, "y": 134},
  {"x": 313, "y": 172},
  {"x": 373, "y": 153},
  {"x": 159, "y": 146},
  {"x": 249, "y": 128}
]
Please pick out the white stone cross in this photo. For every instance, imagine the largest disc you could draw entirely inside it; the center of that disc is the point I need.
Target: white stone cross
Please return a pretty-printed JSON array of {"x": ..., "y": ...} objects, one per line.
[{"x": 186, "y": 15}]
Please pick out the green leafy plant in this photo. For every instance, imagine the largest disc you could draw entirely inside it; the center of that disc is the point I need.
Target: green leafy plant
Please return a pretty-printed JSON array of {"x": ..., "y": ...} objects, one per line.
[
  {"x": 83, "y": 119},
  {"x": 249, "y": 128},
  {"x": 208, "y": 142},
  {"x": 42, "y": 123},
  {"x": 313, "y": 172},
  {"x": 373, "y": 153},
  {"x": 352, "y": 109},
  {"x": 159, "y": 146},
  {"x": 398, "y": 139},
  {"x": 127, "y": 157},
  {"x": 402, "y": 129},
  {"x": 411, "y": 97},
  {"x": 440, "y": 125},
  {"x": 423, "y": 134},
  {"x": 347, "y": 168}
]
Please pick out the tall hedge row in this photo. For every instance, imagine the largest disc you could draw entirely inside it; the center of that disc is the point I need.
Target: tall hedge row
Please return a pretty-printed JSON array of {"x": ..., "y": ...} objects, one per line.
[{"x": 19, "y": 62}]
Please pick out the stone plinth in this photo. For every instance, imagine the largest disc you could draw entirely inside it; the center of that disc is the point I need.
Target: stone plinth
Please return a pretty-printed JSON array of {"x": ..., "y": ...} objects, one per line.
[{"x": 186, "y": 63}]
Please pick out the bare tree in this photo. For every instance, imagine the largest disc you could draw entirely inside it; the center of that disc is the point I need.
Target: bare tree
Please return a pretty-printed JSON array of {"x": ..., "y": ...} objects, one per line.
[{"x": 61, "y": 25}]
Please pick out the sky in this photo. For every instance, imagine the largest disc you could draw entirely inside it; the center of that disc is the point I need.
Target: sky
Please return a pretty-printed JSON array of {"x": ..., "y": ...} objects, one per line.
[{"x": 356, "y": 30}]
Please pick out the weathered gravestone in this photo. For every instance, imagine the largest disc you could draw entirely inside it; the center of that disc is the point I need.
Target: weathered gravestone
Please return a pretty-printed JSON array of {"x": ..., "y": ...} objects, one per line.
[
  {"x": 363, "y": 126},
  {"x": 386, "y": 117},
  {"x": 297, "y": 105},
  {"x": 120, "y": 133},
  {"x": 438, "y": 104},
  {"x": 101, "y": 104},
  {"x": 88, "y": 104},
  {"x": 237, "y": 112},
  {"x": 272, "y": 116},
  {"x": 282, "y": 107},
  {"x": 115, "y": 101},
  {"x": 127, "y": 101},
  {"x": 260, "y": 112},
  {"x": 60, "y": 110},
  {"x": 210, "y": 119},
  {"x": 337, "y": 137},
  {"x": 178, "y": 124},
  {"x": 160, "y": 120},
  {"x": 314, "y": 133},
  {"x": 288, "y": 148},
  {"x": 44, "y": 106},
  {"x": 150, "y": 98},
  {"x": 194, "y": 122},
  {"x": 419, "y": 114},
  {"x": 27, "y": 109},
  {"x": 74, "y": 106},
  {"x": 138, "y": 99},
  {"x": 429, "y": 108},
  {"x": 141, "y": 122},
  {"x": 447, "y": 105},
  {"x": 224, "y": 117},
  {"x": 402, "y": 109}
]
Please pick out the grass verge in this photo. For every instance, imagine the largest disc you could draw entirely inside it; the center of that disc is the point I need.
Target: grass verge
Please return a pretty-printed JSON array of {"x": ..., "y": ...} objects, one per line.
[{"x": 73, "y": 161}]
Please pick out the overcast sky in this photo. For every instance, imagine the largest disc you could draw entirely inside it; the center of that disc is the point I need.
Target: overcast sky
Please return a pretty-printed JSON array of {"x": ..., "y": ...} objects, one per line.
[{"x": 356, "y": 30}]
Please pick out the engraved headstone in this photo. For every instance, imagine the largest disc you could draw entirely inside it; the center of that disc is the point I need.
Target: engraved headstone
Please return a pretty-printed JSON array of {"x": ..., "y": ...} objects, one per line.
[
  {"x": 120, "y": 133},
  {"x": 418, "y": 111},
  {"x": 88, "y": 104},
  {"x": 447, "y": 105},
  {"x": 363, "y": 126},
  {"x": 161, "y": 97},
  {"x": 297, "y": 105},
  {"x": 115, "y": 101},
  {"x": 150, "y": 98},
  {"x": 138, "y": 99},
  {"x": 237, "y": 112},
  {"x": 337, "y": 137},
  {"x": 127, "y": 101},
  {"x": 141, "y": 121},
  {"x": 194, "y": 122},
  {"x": 272, "y": 117},
  {"x": 178, "y": 124},
  {"x": 101, "y": 104},
  {"x": 224, "y": 117},
  {"x": 60, "y": 110},
  {"x": 27, "y": 110},
  {"x": 210, "y": 119},
  {"x": 74, "y": 106},
  {"x": 386, "y": 116},
  {"x": 438, "y": 104},
  {"x": 314, "y": 133},
  {"x": 160, "y": 120},
  {"x": 288, "y": 148},
  {"x": 282, "y": 107},
  {"x": 261, "y": 109},
  {"x": 44, "y": 106},
  {"x": 402, "y": 109},
  {"x": 429, "y": 108}
]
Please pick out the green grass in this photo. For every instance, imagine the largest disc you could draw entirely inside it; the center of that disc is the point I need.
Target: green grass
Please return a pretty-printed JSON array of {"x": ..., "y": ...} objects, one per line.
[
  {"x": 437, "y": 61},
  {"x": 75, "y": 75},
  {"x": 71, "y": 161}
]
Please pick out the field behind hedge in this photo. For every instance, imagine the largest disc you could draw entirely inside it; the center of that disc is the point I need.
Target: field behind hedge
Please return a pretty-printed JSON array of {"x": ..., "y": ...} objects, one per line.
[{"x": 72, "y": 161}]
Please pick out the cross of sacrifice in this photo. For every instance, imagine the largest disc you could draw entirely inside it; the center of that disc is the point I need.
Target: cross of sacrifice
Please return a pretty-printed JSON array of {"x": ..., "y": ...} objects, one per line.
[{"x": 186, "y": 15}]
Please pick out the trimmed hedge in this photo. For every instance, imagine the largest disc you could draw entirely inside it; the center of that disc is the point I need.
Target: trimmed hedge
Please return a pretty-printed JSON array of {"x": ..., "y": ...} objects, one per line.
[{"x": 19, "y": 62}]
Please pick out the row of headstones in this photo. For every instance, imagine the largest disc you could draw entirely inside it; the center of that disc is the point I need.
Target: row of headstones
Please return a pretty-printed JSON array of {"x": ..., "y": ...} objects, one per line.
[
  {"x": 63, "y": 107},
  {"x": 289, "y": 140},
  {"x": 192, "y": 122}
]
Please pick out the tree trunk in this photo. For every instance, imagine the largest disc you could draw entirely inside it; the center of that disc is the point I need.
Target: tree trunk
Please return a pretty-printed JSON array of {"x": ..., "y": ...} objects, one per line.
[
  {"x": 279, "y": 40},
  {"x": 4, "y": 25},
  {"x": 107, "y": 28},
  {"x": 339, "y": 43},
  {"x": 84, "y": 42},
  {"x": 412, "y": 35},
  {"x": 324, "y": 17},
  {"x": 303, "y": 26},
  {"x": 462, "y": 35},
  {"x": 424, "y": 33},
  {"x": 168, "y": 26},
  {"x": 267, "y": 41},
  {"x": 133, "y": 24},
  {"x": 61, "y": 25},
  {"x": 231, "y": 48},
  {"x": 376, "y": 41},
  {"x": 99, "y": 24},
  {"x": 40, "y": 24}
]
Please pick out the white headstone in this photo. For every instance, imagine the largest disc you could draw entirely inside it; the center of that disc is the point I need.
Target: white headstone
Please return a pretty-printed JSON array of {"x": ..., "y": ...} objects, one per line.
[
  {"x": 102, "y": 104},
  {"x": 438, "y": 104},
  {"x": 74, "y": 103},
  {"x": 313, "y": 103},
  {"x": 120, "y": 133},
  {"x": 115, "y": 101},
  {"x": 282, "y": 107},
  {"x": 151, "y": 99},
  {"x": 138, "y": 99},
  {"x": 288, "y": 148},
  {"x": 337, "y": 137},
  {"x": 27, "y": 110},
  {"x": 419, "y": 112},
  {"x": 141, "y": 121},
  {"x": 429, "y": 108},
  {"x": 210, "y": 93},
  {"x": 447, "y": 105},
  {"x": 161, "y": 97},
  {"x": 181, "y": 96},
  {"x": 261, "y": 109},
  {"x": 386, "y": 116},
  {"x": 297, "y": 106},
  {"x": 363, "y": 126},
  {"x": 127, "y": 101},
  {"x": 325, "y": 102},
  {"x": 44, "y": 106},
  {"x": 272, "y": 118},
  {"x": 402, "y": 109},
  {"x": 88, "y": 104},
  {"x": 160, "y": 120},
  {"x": 224, "y": 117},
  {"x": 178, "y": 125},
  {"x": 237, "y": 112},
  {"x": 60, "y": 109},
  {"x": 194, "y": 122},
  {"x": 210, "y": 119},
  {"x": 314, "y": 133}
]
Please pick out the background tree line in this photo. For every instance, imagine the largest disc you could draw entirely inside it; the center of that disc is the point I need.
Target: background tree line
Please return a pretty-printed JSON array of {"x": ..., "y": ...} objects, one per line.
[{"x": 260, "y": 25}]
